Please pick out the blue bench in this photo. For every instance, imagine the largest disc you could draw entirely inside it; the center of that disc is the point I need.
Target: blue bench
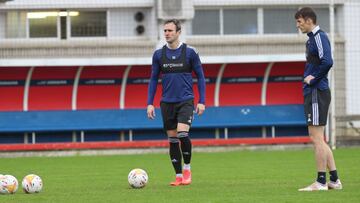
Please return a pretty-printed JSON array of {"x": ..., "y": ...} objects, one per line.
[{"x": 135, "y": 119}]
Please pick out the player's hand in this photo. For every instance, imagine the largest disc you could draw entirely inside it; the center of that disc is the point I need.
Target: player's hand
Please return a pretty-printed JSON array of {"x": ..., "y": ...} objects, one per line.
[
  {"x": 200, "y": 108},
  {"x": 308, "y": 79},
  {"x": 151, "y": 111}
]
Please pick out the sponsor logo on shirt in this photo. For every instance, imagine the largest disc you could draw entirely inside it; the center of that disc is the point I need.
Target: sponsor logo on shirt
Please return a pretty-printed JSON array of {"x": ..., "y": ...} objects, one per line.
[{"x": 173, "y": 65}]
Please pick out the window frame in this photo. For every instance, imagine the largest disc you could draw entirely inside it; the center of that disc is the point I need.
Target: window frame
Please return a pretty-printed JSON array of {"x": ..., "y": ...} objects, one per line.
[
  {"x": 68, "y": 22},
  {"x": 260, "y": 20},
  {"x": 27, "y": 24},
  {"x": 279, "y": 8},
  {"x": 58, "y": 26},
  {"x": 242, "y": 8}
]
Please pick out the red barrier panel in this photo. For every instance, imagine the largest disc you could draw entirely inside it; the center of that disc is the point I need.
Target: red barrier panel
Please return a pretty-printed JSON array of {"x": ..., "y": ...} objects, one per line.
[{"x": 152, "y": 144}]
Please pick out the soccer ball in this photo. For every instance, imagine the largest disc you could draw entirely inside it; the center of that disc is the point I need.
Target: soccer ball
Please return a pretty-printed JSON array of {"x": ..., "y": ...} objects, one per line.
[
  {"x": 8, "y": 184},
  {"x": 138, "y": 178},
  {"x": 32, "y": 184}
]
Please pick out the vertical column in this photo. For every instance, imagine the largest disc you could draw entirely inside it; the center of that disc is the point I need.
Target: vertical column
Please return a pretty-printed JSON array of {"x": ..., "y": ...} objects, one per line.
[
  {"x": 75, "y": 88},
  {"x": 123, "y": 87},
  {"x": 27, "y": 89}
]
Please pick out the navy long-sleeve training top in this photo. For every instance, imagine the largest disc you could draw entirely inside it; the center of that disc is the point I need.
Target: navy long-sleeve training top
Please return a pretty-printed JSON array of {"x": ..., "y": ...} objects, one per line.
[
  {"x": 318, "y": 60},
  {"x": 175, "y": 67}
]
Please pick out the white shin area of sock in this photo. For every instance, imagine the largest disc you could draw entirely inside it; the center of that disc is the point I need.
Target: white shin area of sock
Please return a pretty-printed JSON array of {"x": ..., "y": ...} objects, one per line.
[{"x": 186, "y": 166}]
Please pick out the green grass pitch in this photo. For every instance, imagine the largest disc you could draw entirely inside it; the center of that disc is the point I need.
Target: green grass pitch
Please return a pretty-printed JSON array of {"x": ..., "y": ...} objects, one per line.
[{"x": 237, "y": 176}]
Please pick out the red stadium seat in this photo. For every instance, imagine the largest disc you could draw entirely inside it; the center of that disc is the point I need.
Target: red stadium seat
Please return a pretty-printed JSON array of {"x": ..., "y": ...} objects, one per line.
[
  {"x": 100, "y": 87},
  {"x": 137, "y": 88},
  {"x": 285, "y": 83},
  {"x": 241, "y": 84},
  {"x": 12, "y": 81},
  {"x": 51, "y": 88},
  {"x": 210, "y": 71}
]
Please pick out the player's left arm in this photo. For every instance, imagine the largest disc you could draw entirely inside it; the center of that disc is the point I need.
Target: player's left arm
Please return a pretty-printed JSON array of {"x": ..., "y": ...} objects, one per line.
[
  {"x": 197, "y": 67},
  {"x": 326, "y": 61}
]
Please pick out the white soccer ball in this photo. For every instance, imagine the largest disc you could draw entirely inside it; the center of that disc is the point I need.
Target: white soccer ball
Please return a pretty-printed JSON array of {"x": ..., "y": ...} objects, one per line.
[
  {"x": 32, "y": 183},
  {"x": 8, "y": 184},
  {"x": 138, "y": 178}
]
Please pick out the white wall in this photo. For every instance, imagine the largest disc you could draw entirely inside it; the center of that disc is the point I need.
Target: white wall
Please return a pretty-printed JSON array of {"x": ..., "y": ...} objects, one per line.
[
  {"x": 352, "y": 56},
  {"x": 43, "y": 4},
  {"x": 2, "y": 24},
  {"x": 262, "y": 2},
  {"x": 123, "y": 24}
]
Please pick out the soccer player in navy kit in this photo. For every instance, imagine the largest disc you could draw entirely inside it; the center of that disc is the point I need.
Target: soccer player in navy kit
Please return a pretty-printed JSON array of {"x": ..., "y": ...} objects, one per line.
[
  {"x": 176, "y": 61},
  {"x": 317, "y": 97}
]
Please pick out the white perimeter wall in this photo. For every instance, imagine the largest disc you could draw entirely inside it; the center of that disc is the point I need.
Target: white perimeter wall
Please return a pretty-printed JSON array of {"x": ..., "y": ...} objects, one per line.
[
  {"x": 352, "y": 56},
  {"x": 2, "y": 24}
]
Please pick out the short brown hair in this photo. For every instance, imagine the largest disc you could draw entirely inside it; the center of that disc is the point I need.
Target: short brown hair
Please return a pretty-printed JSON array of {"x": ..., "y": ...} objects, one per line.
[
  {"x": 306, "y": 13},
  {"x": 176, "y": 23}
]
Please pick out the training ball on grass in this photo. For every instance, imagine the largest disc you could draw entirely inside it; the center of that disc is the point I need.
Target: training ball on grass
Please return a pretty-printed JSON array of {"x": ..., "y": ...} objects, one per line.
[
  {"x": 8, "y": 184},
  {"x": 32, "y": 184},
  {"x": 138, "y": 178}
]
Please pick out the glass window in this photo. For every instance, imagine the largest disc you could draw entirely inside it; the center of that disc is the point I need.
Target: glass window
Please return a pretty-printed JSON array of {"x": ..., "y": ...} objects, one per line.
[
  {"x": 323, "y": 18},
  {"x": 206, "y": 22},
  {"x": 43, "y": 27},
  {"x": 89, "y": 24},
  {"x": 279, "y": 21},
  {"x": 63, "y": 27},
  {"x": 15, "y": 24},
  {"x": 240, "y": 21}
]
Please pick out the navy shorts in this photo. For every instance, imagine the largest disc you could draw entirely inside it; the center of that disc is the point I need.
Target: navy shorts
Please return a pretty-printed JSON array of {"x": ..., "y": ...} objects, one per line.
[
  {"x": 316, "y": 106},
  {"x": 174, "y": 113}
]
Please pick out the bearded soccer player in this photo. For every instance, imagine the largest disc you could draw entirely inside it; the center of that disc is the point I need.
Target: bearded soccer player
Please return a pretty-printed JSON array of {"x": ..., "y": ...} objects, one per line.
[{"x": 175, "y": 62}]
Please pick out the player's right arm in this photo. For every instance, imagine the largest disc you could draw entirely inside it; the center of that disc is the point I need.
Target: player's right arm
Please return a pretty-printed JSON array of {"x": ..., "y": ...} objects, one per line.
[{"x": 155, "y": 71}]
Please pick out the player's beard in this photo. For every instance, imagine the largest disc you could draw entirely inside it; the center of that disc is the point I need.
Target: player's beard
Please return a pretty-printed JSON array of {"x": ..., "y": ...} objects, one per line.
[{"x": 172, "y": 40}]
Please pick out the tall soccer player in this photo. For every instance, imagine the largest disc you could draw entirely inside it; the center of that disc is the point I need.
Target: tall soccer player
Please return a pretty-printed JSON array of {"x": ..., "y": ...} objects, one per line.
[
  {"x": 317, "y": 97},
  {"x": 176, "y": 61}
]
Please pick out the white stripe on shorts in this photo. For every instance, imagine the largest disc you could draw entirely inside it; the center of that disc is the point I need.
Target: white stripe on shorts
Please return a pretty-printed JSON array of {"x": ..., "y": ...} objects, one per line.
[{"x": 315, "y": 107}]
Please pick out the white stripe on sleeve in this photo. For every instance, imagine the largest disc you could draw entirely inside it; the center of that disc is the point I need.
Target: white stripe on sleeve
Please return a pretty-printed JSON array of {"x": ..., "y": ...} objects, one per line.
[{"x": 319, "y": 45}]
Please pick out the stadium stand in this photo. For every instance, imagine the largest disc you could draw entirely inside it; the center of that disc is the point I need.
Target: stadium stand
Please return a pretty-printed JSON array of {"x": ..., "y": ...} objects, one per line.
[
  {"x": 110, "y": 106},
  {"x": 130, "y": 119}
]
